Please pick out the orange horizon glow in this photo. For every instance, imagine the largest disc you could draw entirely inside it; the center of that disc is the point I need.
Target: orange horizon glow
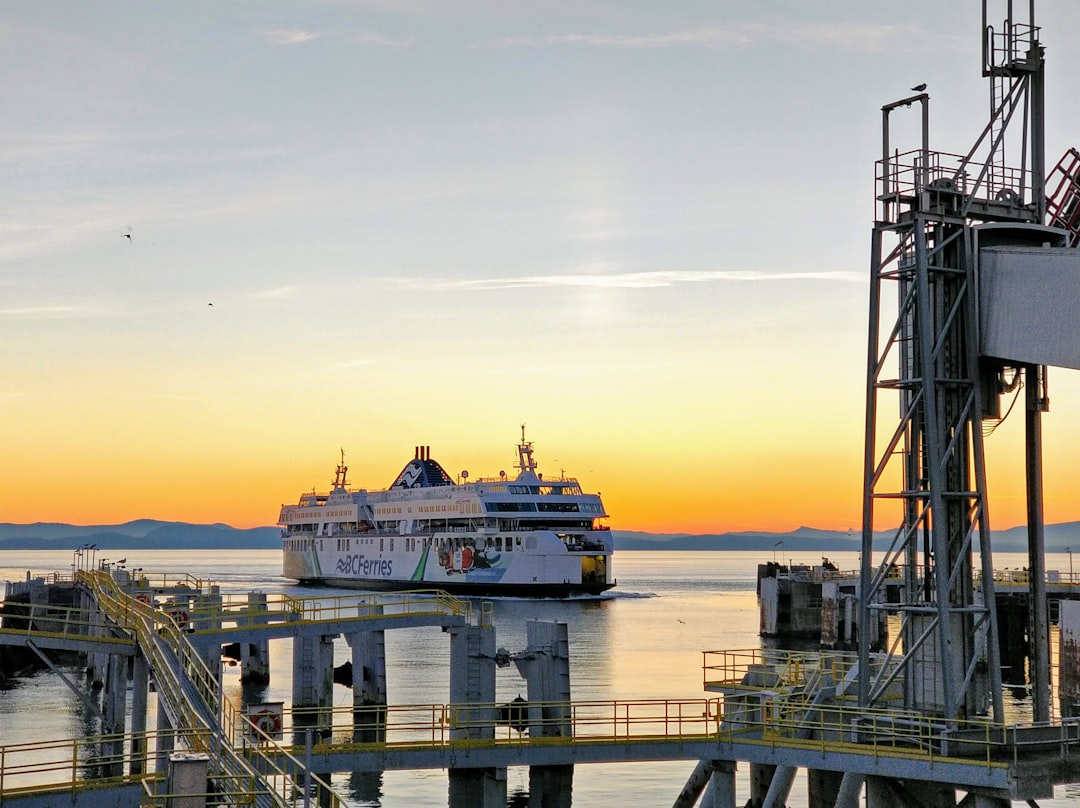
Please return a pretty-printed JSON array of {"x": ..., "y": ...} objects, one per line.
[{"x": 763, "y": 493}]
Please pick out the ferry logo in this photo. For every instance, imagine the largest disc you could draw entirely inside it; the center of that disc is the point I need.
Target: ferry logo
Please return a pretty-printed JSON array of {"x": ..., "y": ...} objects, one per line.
[
  {"x": 411, "y": 475},
  {"x": 365, "y": 567}
]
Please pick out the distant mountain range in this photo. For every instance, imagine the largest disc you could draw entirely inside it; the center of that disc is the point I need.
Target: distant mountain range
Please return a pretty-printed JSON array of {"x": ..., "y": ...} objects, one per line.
[{"x": 151, "y": 533}]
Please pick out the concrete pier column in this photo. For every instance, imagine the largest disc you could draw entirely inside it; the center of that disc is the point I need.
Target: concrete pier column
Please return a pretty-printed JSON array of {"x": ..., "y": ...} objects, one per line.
[
  {"x": 879, "y": 794},
  {"x": 115, "y": 712},
  {"x": 95, "y": 662},
  {"x": 188, "y": 782},
  {"x": 823, "y": 787},
  {"x": 850, "y": 788},
  {"x": 884, "y": 792},
  {"x": 830, "y": 614},
  {"x": 779, "y": 787},
  {"x": 929, "y": 795},
  {"x": 313, "y": 683},
  {"x": 551, "y": 786},
  {"x": 761, "y": 775},
  {"x": 166, "y": 741},
  {"x": 545, "y": 665},
  {"x": 140, "y": 682},
  {"x": 1069, "y": 658},
  {"x": 472, "y": 681},
  {"x": 720, "y": 792},
  {"x": 368, "y": 685},
  {"x": 478, "y": 788},
  {"x": 255, "y": 656},
  {"x": 207, "y": 615},
  {"x": 712, "y": 781}
]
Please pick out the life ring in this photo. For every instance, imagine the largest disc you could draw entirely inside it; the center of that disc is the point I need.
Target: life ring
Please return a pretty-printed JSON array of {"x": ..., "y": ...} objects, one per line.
[
  {"x": 267, "y": 722},
  {"x": 180, "y": 617},
  {"x": 143, "y": 598}
]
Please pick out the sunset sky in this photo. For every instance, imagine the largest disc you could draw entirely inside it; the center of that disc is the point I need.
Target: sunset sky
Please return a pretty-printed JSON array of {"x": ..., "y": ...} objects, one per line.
[{"x": 640, "y": 228}]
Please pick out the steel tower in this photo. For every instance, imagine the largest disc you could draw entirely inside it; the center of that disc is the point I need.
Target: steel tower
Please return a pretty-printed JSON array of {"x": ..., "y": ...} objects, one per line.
[{"x": 927, "y": 370}]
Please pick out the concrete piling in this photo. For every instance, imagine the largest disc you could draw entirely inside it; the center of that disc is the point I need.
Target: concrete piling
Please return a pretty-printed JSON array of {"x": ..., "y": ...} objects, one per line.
[
  {"x": 312, "y": 684},
  {"x": 368, "y": 684}
]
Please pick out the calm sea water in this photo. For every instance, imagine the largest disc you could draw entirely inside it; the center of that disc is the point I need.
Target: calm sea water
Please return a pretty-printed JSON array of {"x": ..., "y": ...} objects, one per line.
[{"x": 644, "y": 640}]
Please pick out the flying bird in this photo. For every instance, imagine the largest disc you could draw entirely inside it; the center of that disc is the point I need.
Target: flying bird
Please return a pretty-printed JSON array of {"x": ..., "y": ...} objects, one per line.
[
  {"x": 209, "y": 304},
  {"x": 127, "y": 236},
  {"x": 918, "y": 88}
]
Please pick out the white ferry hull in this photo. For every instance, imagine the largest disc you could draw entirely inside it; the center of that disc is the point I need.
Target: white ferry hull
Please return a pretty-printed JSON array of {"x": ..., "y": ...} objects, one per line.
[{"x": 538, "y": 564}]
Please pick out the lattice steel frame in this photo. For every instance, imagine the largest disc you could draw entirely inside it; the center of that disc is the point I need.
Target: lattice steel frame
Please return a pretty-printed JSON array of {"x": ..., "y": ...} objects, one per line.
[{"x": 926, "y": 359}]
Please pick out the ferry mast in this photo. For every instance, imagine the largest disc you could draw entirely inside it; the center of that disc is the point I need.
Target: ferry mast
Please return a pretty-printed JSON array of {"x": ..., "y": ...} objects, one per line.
[{"x": 942, "y": 223}]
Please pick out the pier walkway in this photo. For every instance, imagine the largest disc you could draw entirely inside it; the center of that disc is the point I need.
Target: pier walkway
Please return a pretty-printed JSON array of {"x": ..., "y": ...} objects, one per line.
[{"x": 772, "y": 709}]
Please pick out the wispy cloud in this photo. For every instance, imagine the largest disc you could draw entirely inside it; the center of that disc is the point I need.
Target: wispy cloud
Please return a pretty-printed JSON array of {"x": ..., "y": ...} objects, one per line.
[
  {"x": 848, "y": 36},
  {"x": 291, "y": 36},
  {"x": 279, "y": 293},
  {"x": 287, "y": 37},
  {"x": 43, "y": 312},
  {"x": 353, "y": 363},
  {"x": 646, "y": 280},
  {"x": 371, "y": 38}
]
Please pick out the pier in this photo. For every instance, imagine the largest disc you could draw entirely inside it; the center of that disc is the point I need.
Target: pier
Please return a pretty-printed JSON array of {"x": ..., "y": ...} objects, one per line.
[{"x": 768, "y": 712}]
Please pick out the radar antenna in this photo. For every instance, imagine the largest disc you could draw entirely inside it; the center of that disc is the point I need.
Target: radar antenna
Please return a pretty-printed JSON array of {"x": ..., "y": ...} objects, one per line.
[
  {"x": 525, "y": 455},
  {"x": 340, "y": 480}
]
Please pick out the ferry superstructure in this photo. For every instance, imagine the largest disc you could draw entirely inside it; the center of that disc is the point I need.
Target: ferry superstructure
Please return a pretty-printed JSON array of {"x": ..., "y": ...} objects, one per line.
[{"x": 526, "y": 536}]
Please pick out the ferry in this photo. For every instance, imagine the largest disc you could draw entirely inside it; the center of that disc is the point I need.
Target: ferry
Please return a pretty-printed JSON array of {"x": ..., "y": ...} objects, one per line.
[{"x": 527, "y": 536}]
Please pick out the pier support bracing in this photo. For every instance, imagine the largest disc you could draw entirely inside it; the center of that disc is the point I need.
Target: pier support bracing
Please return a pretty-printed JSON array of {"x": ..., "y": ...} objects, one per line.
[
  {"x": 850, "y": 788},
  {"x": 312, "y": 685},
  {"x": 368, "y": 684},
  {"x": 720, "y": 791},
  {"x": 713, "y": 781}
]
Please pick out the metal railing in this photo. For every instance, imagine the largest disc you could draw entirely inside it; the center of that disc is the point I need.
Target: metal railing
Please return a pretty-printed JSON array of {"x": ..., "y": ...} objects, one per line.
[
  {"x": 203, "y": 718},
  {"x": 65, "y": 764},
  {"x": 762, "y": 668},
  {"x": 904, "y": 175}
]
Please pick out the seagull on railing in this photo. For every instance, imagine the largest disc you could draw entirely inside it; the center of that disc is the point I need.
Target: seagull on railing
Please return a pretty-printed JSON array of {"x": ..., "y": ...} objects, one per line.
[{"x": 918, "y": 88}]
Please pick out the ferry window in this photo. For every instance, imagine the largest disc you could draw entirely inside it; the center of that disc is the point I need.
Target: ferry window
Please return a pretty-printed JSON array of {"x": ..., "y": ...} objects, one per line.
[
  {"x": 517, "y": 540},
  {"x": 391, "y": 545},
  {"x": 381, "y": 542},
  {"x": 509, "y": 545},
  {"x": 498, "y": 543}
]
